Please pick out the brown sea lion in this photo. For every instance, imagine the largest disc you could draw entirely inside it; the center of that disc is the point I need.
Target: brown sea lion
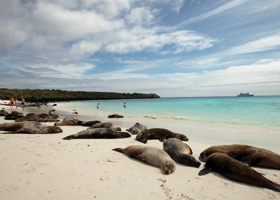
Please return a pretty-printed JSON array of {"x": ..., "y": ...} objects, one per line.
[
  {"x": 3, "y": 112},
  {"x": 180, "y": 152},
  {"x": 137, "y": 128},
  {"x": 53, "y": 114},
  {"x": 13, "y": 115},
  {"x": 106, "y": 133},
  {"x": 159, "y": 133},
  {"x": 150, "y": 155},
  {"x": 250, "y": 155},
  {"x": 43, "y": 117},
  {"x": 29, "y": 127},
  {"x": 236, "y": 171},
  {"x": 90, "y": 123},
  {"x": 68, "y": 121},
  {"x": 106, "y": 125},
  {"x": 115, "y": 116},
  {"x": 28, "y": 117}
]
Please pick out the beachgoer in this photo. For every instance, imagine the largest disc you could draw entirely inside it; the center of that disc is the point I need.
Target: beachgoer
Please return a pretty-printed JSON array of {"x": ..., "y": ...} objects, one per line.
[
  {"x": 22, "y": 102},
  {"x": 16, "y": 103},
  {"x": 12, "y": 102},
  {"x": 124, "y": 105},
  {"x": 97, "y": 106}
]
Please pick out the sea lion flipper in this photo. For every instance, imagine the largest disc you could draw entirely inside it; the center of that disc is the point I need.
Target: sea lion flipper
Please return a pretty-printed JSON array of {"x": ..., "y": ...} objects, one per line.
[
  {"x": 20, "y": 131},
  {"x": 204, "y": 171},
  {"x": 118, "y": 150},
  {"x": 68, "y": 137}
]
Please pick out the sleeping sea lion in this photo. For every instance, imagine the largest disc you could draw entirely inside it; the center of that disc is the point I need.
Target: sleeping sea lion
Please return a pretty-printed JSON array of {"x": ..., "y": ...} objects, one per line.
[
  {"x": 150, "y": 155},
  {"x": 236, "y": 171},
  {"x": 90, "y": 123},
  {"x": 3, "y": 112},
  {"x": 180, "y": 152},
  {"x": 68, "y": 121},
  {"x": 106, "y": 133},
  {"x": 106, "y": 125},
  {"x": 250, "y": 155},
  {"x": 137, "y": 128},
  {"x": 159, "y": 133},
  {"x": 71, "y": 121},
  {"x": 13, "y": 115},
  {"x": 29, "y": 127}
]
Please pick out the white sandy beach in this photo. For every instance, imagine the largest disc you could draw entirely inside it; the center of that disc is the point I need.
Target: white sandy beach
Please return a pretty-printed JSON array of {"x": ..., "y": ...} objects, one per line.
[{"x": 46, "y": 167}]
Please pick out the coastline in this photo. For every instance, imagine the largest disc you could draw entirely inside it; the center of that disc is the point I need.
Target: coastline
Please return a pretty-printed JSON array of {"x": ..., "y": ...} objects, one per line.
[{"x": 47, "y": 167}]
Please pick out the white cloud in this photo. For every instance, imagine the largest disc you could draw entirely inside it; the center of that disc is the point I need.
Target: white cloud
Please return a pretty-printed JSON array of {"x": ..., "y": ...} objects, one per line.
[
  {"x": 84, "y": 48},
  {"x": 139, "y": 39},
  {"x": 73, "y": 71},
  {"x": 140, "y": 16},
  {"x": 263, "y": 44},
  {"x": 216, "y": 11}
]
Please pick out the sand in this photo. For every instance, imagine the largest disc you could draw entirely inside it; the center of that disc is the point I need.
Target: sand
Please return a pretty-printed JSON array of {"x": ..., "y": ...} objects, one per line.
[{"x": 46, "y": 167}]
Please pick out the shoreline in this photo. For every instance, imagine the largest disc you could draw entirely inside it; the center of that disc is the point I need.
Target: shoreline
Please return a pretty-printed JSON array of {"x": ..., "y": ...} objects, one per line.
[
  {"x": 210, "y": 133},
  {"x": 47, "y": 167}
]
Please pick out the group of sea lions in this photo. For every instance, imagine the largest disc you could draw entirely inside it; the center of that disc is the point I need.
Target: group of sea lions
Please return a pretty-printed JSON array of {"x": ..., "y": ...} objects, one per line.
[
  {"x": 234, "y": 161},
  {"x": 231, "y": 161}
]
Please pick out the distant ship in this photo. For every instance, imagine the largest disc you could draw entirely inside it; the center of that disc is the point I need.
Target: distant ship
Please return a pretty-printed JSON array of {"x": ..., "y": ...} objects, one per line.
[{"x": 245, "y": 95}]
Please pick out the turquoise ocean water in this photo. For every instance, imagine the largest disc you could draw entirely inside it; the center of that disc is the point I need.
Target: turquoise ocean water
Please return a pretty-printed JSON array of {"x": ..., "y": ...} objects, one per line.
[{"x": 237, "y": 110}]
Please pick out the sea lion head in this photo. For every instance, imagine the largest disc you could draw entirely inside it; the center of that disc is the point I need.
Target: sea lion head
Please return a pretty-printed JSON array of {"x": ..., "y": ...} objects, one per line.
[
  {"x": 169, "y": 167},
  {"x": 133, "y": 130},
  {"x": 54, "y": 129},
  {"x": 192, "y": 161},
  {"x": 125, "y": 134},
  {"x": 118, "y": 129},
  {"x": 141, "y": 138},
  {"x": 182, "y": 137}
]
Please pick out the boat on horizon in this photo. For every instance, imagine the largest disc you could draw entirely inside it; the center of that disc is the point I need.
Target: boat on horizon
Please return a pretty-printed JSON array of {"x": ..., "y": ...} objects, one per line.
[{"x": 245, "y": 95}]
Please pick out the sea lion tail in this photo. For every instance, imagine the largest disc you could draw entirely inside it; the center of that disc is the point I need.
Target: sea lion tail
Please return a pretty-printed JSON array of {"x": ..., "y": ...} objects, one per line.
[
  {"x": 119, "y": 150},
  {"x": 274, "y": 186},
  {"x": 70, "y": 137},
  {"x": 204, "y": 171}
]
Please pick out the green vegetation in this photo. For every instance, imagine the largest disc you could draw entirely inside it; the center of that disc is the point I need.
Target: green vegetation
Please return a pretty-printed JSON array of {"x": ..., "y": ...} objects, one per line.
[{"x": 38, "y": 95}]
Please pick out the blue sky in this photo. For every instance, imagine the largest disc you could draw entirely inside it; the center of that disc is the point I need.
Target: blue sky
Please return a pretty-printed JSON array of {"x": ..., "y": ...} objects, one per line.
[{"x": 169, "y": 47}]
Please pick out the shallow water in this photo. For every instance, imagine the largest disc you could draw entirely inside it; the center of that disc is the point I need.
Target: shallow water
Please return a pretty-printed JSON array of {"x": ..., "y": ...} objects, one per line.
[{"x": 263, "y": 111}]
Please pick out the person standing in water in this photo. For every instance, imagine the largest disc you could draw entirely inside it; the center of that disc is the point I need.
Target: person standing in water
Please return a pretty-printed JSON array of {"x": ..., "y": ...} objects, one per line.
[
  {"x": 124, "y": 105},
  {"x": 12, "y": 102},
  {"x": 16, "y": 103},
  {"x": 22, "y": 102},
  {"x": 97, "y": 106}
]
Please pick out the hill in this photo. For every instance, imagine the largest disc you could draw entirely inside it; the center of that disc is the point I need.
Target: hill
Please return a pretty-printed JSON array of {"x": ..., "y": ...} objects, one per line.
[{"x": 45, "y": 95}]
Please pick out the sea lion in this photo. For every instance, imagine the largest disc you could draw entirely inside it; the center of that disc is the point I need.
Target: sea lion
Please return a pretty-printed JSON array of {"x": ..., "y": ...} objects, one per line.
[
  {"x": 159, "y": 133},
  {"x": 68, "y": 121},
  {"x": 43, "y": 117},
  {"x": 106, "y": 125},
  {"x": 106, "y": 133},
  {"x": 115, "y": 116},
  {"x": 90, "y": 123},
  {"x": 3, "y": 112},
  {"x": 180, "y": 152},
  {"x": 150, "y": 155},
  {"x": 137, "y": 128},
  {"x": 28, "y": 117},
  {"x": 250, "y": 155},
  {"x": 13, "y": 115},
  {"x": 29, "y": 127},
  {"x": 236, "y": 171}
]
